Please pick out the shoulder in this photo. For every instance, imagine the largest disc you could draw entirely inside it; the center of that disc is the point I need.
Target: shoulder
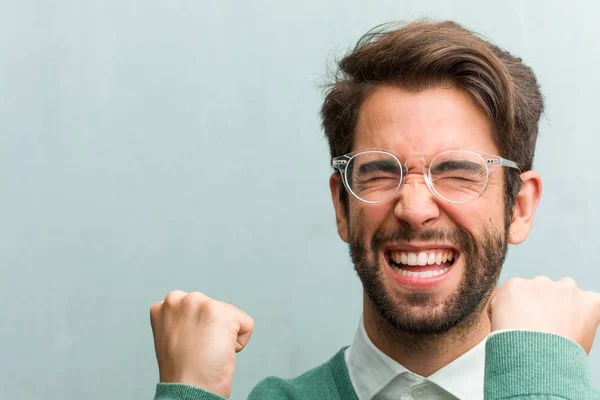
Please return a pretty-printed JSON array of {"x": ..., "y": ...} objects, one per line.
[{"x": 327, "y": 381}]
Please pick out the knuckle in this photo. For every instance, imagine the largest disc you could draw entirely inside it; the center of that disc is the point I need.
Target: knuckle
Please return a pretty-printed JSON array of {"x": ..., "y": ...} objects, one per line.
[
  {"x": 236, "y": 310},
  {"x": 193, "y": 300},
  {"x": 511, "y": 282},
  {"x": 155, "y": 308},
  {"x": 210, "y": 307},
  {"x": 514, "y": 283},
  {"x": 173, "y": 297},
  {"x": 542, "y": 278},
  {"x": 248, "y": 320},
  {"x": 155, "y": 315},
  {"x": 568, "y": 281}
]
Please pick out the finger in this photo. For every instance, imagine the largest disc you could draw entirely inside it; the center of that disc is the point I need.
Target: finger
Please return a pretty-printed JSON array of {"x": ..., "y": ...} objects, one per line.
[
  {"x": 567, "y": 281},
  {"x": 194, "y": 299},
  {"x": 236, "y": 309},
  {"x": 246, "y": 329},
  {"x": 542, "y": 278},
  {"x": 154, "y": 314},
  {"x": 491, "y": 301},
  {"x": 173, "y": 298},
  {"x": 593, "y": 299},
  {"x": 494, "y": 292}
]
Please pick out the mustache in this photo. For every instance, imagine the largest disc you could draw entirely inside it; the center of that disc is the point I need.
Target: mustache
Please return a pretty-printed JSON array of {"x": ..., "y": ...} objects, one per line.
[{"x": 457, "y": 237}]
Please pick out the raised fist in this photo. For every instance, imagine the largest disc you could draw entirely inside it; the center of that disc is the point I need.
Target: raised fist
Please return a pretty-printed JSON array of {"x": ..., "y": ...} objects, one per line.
[
  {"x": 540, "y": 304},
  {"x": 196, "y": 339}
]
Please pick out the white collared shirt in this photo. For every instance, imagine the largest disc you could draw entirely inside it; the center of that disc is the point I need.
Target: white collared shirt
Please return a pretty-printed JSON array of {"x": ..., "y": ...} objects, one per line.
[{"x": 375, "y": 376}]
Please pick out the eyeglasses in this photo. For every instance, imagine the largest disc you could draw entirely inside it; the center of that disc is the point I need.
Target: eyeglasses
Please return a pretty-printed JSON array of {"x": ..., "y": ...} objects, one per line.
[{"x": 456, "y": 176}]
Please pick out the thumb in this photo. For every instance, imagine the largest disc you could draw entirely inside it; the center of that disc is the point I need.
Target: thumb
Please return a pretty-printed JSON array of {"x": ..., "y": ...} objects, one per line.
[
  {"x": 490, "y": 302},
  {"x": 246, "y": 327}
]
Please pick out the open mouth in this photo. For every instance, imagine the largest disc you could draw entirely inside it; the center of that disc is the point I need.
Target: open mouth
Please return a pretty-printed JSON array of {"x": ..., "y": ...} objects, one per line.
[{"x": 422, "y": 264}]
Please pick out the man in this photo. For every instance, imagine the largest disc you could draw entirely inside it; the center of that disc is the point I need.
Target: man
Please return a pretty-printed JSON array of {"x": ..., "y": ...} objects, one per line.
[{"x": 432, "y": 133}]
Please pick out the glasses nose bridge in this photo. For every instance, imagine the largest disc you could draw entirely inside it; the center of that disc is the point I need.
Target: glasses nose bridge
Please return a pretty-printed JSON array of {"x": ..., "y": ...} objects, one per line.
[
  {"x": 423, "y": 159},
  {"x": 413, "y": 159}
]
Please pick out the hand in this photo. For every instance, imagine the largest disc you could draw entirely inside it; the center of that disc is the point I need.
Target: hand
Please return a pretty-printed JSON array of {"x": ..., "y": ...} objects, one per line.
[
  {"x": 196, "y": 338},
  {"x": 542, "y": 305}
]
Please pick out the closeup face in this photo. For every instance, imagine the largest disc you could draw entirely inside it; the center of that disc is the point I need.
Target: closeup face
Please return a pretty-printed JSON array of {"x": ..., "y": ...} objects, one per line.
[{"x": 425, "y": 264}]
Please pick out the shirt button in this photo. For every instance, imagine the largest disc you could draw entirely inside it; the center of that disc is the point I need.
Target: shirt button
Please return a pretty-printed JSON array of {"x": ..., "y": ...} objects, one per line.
[
  {"x": 410, "y": 377},
  {"x": 419, "y": 393}
]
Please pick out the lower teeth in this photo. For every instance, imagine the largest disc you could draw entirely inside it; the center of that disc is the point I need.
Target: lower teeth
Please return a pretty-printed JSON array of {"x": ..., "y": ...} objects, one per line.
[{"x": 422, "y": 274}]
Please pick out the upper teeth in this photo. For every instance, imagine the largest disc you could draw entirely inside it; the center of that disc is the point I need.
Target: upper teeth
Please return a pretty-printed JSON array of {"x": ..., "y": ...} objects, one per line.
[{"x": 428, "y": 257}]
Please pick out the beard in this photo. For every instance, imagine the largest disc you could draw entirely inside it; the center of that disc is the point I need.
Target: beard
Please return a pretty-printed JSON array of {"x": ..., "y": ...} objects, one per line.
[{"x": 423, "y": 313}]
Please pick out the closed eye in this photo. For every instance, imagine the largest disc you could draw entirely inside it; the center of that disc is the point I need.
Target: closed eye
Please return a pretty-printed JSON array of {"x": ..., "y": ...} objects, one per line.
[
  {"x": 454, "y": 165},
  {"x": 374, "y": 168}
]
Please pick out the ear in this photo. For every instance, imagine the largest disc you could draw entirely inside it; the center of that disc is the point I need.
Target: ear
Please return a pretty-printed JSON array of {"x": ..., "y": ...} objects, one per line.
[
  {"x": 525, "y": 205},
  {"x": 335, "y": 185}
]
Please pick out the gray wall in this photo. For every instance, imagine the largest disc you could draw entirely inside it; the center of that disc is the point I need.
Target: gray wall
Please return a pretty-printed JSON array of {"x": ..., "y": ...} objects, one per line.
[{"x": 153, "y": 145}]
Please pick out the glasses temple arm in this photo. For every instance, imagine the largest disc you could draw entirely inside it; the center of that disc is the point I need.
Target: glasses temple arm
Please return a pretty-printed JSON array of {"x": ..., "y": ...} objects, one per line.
[
  {"x": 339, "y": 164},
  {"x": 503, "y": 162}
]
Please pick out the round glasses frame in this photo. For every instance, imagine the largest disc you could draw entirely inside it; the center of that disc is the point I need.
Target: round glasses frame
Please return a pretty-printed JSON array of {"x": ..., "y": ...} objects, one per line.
[{"x": 490, "y": 161}]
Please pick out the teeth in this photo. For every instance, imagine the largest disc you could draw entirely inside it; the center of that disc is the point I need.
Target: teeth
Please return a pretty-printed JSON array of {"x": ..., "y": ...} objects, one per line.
[
  {"x": 431, "y": 259},
  {"x": 422, "y": 274},
  {"x": 403, "y": 258},
  {"x": 422, "y": 258},
  {"x": 438, "y": 258},
  {"x": 412, "y": 259}
]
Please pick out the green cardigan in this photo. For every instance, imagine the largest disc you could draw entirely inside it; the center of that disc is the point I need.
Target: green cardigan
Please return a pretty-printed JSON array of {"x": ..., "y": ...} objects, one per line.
[{"x": 518, "y": 365}]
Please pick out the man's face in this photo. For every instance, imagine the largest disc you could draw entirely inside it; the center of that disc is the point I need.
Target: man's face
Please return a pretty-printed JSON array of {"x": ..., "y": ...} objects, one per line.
[{"x": 464, "y": 244}]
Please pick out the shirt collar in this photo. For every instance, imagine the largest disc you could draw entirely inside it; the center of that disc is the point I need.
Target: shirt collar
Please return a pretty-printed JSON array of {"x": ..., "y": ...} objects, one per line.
[
  {"x": 464, "y": 376},
  {"x": 371, "y": 370}
]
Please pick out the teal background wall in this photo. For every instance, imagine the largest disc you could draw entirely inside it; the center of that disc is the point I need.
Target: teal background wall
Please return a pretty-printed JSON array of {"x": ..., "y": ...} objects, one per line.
[{"x": 152, "y": 145}]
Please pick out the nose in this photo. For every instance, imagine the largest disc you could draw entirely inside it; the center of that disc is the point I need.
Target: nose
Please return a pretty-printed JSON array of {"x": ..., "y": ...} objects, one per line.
[{"x": 416, "y": 205}]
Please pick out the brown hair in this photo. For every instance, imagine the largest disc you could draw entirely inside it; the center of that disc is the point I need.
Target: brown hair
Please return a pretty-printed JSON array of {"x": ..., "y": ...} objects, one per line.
[{"x": 425, "y": 54}]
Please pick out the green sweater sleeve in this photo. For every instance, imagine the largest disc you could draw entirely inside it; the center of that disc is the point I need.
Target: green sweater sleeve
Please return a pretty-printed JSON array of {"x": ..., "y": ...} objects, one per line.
[
  {"x": 179, "y": 391},
  {"x": 329, "y": 381},
  {"x": 520, "y": 365},
  {"x": 525, "y": 365}
]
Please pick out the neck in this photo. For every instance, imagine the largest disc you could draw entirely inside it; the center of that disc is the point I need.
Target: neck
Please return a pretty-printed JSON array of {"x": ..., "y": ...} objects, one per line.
[{"x": 425, "y": 354}]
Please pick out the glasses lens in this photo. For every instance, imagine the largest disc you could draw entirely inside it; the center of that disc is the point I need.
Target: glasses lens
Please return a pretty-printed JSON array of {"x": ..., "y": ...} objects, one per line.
[
  {"x": 458, "y": 176},
  {"x": 374, "y": 176}
]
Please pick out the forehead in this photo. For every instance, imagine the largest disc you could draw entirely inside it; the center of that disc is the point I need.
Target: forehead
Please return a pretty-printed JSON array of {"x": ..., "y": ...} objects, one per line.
[{"x": 427, "y": 121}]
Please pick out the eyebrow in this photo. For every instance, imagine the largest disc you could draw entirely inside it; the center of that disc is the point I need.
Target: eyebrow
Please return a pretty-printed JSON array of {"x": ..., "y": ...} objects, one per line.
[
  {"x": 454, "y": 165},
  {"x": 378, "y": 166}
]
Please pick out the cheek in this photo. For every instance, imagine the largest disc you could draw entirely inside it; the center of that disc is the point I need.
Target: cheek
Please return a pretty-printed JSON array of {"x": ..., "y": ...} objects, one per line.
[
  {"x": 482, "y": 212},
  {"x": 370, "y": 217},
  {"x": 487, "y": 210},
  {"x": 493, "y": 206}
]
